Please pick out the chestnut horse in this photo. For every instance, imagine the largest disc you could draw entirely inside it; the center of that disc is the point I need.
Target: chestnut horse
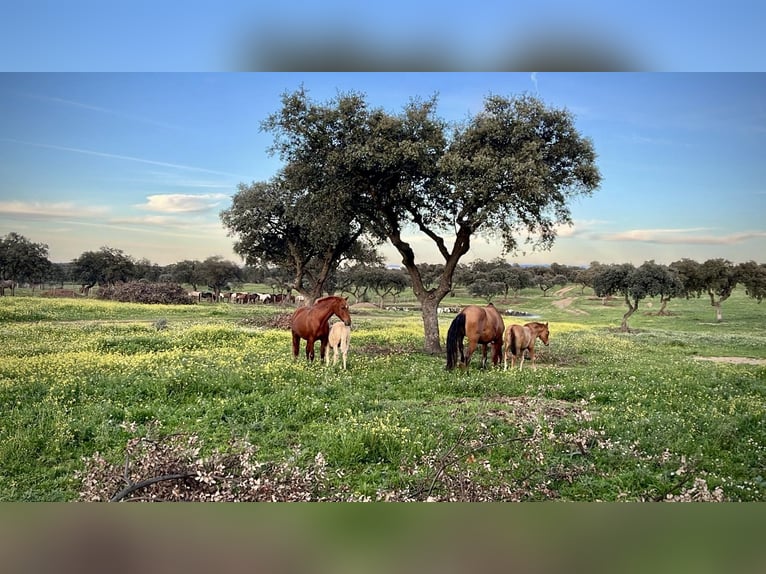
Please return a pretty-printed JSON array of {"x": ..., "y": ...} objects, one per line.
[
  {"x": 521, "y": 338},
  {"x": 311, "y": 323},
  {"x": 482, "y": 326}
]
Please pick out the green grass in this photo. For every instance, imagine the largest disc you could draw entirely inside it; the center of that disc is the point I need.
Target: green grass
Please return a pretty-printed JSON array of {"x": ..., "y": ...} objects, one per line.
[{"x": 607, "y": 416}]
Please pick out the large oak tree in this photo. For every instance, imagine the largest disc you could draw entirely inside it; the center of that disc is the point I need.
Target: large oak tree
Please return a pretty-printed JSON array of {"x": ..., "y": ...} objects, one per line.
[{"x": 508, "y": 172}]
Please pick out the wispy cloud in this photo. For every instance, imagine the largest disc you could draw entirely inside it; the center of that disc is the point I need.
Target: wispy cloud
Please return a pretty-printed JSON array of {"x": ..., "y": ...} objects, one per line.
[
  {"x": 693, "y": 236},
  {"x": 123, "y": 157},
  {"x": 578, "y": 228},
  {"x": 52, "y": 210},
  {"x": 100, "y": 109},
  {"x": 183, "y": 202}
]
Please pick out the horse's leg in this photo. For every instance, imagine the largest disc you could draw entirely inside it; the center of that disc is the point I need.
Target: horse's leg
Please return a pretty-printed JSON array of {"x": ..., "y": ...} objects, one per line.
[
  {"x": 310, "y": 349},
  {"x": 344, "y": 344},
  {"x": 323, "y": 347},
  {"x": 497, "y": 351},
  {"x": 484, "y": 355},
  {"x": 471, "y": 348},
  {"x": 296, "y": 345},
  {"x": 532, "y": 356}
]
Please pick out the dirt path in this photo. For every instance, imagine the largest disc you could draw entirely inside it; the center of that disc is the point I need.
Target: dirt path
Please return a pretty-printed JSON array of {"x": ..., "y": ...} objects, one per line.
[
  {"x": 563, "y": 291},
  {"x": 566, "y": 302},
  {"x": 733, "y": 360}
]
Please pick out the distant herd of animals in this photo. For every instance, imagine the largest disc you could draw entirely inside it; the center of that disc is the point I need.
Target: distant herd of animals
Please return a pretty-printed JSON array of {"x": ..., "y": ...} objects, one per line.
[
  {"x": 245, "y": 298},
  {"x": 481, "y": 325}
]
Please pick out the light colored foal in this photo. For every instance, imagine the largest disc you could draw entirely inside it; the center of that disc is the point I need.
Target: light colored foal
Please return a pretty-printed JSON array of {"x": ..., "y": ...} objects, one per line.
[{"x": 340, "y": 335}]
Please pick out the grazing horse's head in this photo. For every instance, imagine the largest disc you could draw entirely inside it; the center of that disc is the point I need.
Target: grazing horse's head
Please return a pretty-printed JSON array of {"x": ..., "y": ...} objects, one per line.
[
  {"x": 543, "y": 333},
  {"x": 342, "y": 311}
]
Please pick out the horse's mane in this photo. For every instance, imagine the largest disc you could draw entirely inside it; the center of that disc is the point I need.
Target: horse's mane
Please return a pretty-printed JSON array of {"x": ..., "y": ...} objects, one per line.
[{"x": 327, "y": 298}]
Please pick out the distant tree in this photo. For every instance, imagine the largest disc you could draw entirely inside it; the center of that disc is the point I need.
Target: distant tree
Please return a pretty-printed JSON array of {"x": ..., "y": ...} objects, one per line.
[
  {"x": 22, "y": 259},
  {"x": 301, "y": 227},
  {"x": 485, "y": 286},
  {"x": 106, "y": 266},
  {"x": 635, "y": 284},
  {"x": 584, "y": 277},
  {"x": 353, "y": 279},
  {"x": 566, "y": 270},
  {"x": 262, "y": 274},
  {"x": 545, "y": 279},
  {"x": 145, "y": 269},
  {"x": 690, "y": 275},
  {"x": 386, "y": 282},
  {"x": 58, "y": 273},
  {"x": 658, "y": 280},
  {"x": 753, "y": 276},
  {"x": 217, "y": 273},
  {"x": 719, "y": 278},
  {"x": 616, "y": 280},
  {"x": 187, "y": 271},
  {"x": 516, "y": 278}
]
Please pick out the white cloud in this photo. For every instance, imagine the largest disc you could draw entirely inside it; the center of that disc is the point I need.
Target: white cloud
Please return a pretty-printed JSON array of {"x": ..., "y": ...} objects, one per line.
[
  {"x": 692, "y": 236},
  {"x": 183, "y": 202},
  {"x": 53, "y": 210}
]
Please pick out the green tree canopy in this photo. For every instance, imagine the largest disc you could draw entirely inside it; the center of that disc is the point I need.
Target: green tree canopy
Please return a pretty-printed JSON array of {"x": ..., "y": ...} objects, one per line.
[
  {"x": 753, "y": 276},
  {"x": 22, "y": 259},
  {"x": 216, "y": 272},
  {"x": 718, "y": 277},
  {"x": 305, "y": 229},
  {"x": 106, "y": 266}
]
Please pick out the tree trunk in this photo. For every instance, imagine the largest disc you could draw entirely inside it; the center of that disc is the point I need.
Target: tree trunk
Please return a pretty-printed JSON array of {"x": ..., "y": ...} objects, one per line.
[
  {"x": 664, "y": 302},
  {"x": 717, "y": 305},
  {"x": 631, "y": 309},
  {"x": 718, "y": 314},
  {"x": 428, "y": 310}
]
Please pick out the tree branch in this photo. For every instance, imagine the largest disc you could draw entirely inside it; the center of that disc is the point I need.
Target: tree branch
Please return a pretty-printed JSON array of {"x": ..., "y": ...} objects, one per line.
[{"x": 148, "y": 482}]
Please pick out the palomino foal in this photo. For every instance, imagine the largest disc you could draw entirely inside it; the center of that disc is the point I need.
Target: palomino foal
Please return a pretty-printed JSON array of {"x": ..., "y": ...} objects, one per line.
[{"x": 340, "y": 335}]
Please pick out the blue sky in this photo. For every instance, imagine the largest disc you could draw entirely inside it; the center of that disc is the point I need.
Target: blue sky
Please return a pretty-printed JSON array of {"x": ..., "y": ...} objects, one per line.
[
  {"x": 241, "y": 35},
  {"x": 145, "y": 162}
]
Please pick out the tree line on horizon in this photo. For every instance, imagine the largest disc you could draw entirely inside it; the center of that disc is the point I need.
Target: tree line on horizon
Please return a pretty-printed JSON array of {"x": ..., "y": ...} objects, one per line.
[{"x": 23, "y": 261}]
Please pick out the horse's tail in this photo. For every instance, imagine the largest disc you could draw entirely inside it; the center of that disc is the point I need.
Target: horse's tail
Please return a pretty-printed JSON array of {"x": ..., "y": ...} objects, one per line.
[
  {"x": 513, "y": 341},
  {"x": 455, "y": 334}
]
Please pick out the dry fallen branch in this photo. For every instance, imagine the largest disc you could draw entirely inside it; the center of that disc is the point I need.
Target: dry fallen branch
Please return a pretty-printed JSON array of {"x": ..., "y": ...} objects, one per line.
[{"x": 148, "y": 482}]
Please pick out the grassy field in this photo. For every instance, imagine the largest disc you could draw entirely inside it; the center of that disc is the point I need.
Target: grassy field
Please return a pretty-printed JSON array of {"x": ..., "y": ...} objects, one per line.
[{"x": 212, "y": 390}]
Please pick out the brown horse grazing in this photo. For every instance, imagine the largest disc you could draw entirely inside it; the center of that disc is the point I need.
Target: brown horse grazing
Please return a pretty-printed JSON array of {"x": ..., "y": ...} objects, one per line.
[
  {"x": 311, "y": 323},
  {"x": 482, "y": 326},
  {"x": 521, "y": 338}
]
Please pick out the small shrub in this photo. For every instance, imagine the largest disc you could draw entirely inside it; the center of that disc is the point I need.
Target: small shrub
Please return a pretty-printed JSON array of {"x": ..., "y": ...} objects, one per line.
[{"x": 142, "y": 292}]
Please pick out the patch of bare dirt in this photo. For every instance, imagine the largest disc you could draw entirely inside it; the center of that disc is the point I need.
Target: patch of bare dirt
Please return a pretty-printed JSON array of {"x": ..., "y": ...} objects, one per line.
[
  {"x": 562, "y": 291},
  {"x": 565, "y": 303},
  {"x": 733, "y": 360},
  {"x": 278, "y": 321},
  {"x": 60, "y": 293}
]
